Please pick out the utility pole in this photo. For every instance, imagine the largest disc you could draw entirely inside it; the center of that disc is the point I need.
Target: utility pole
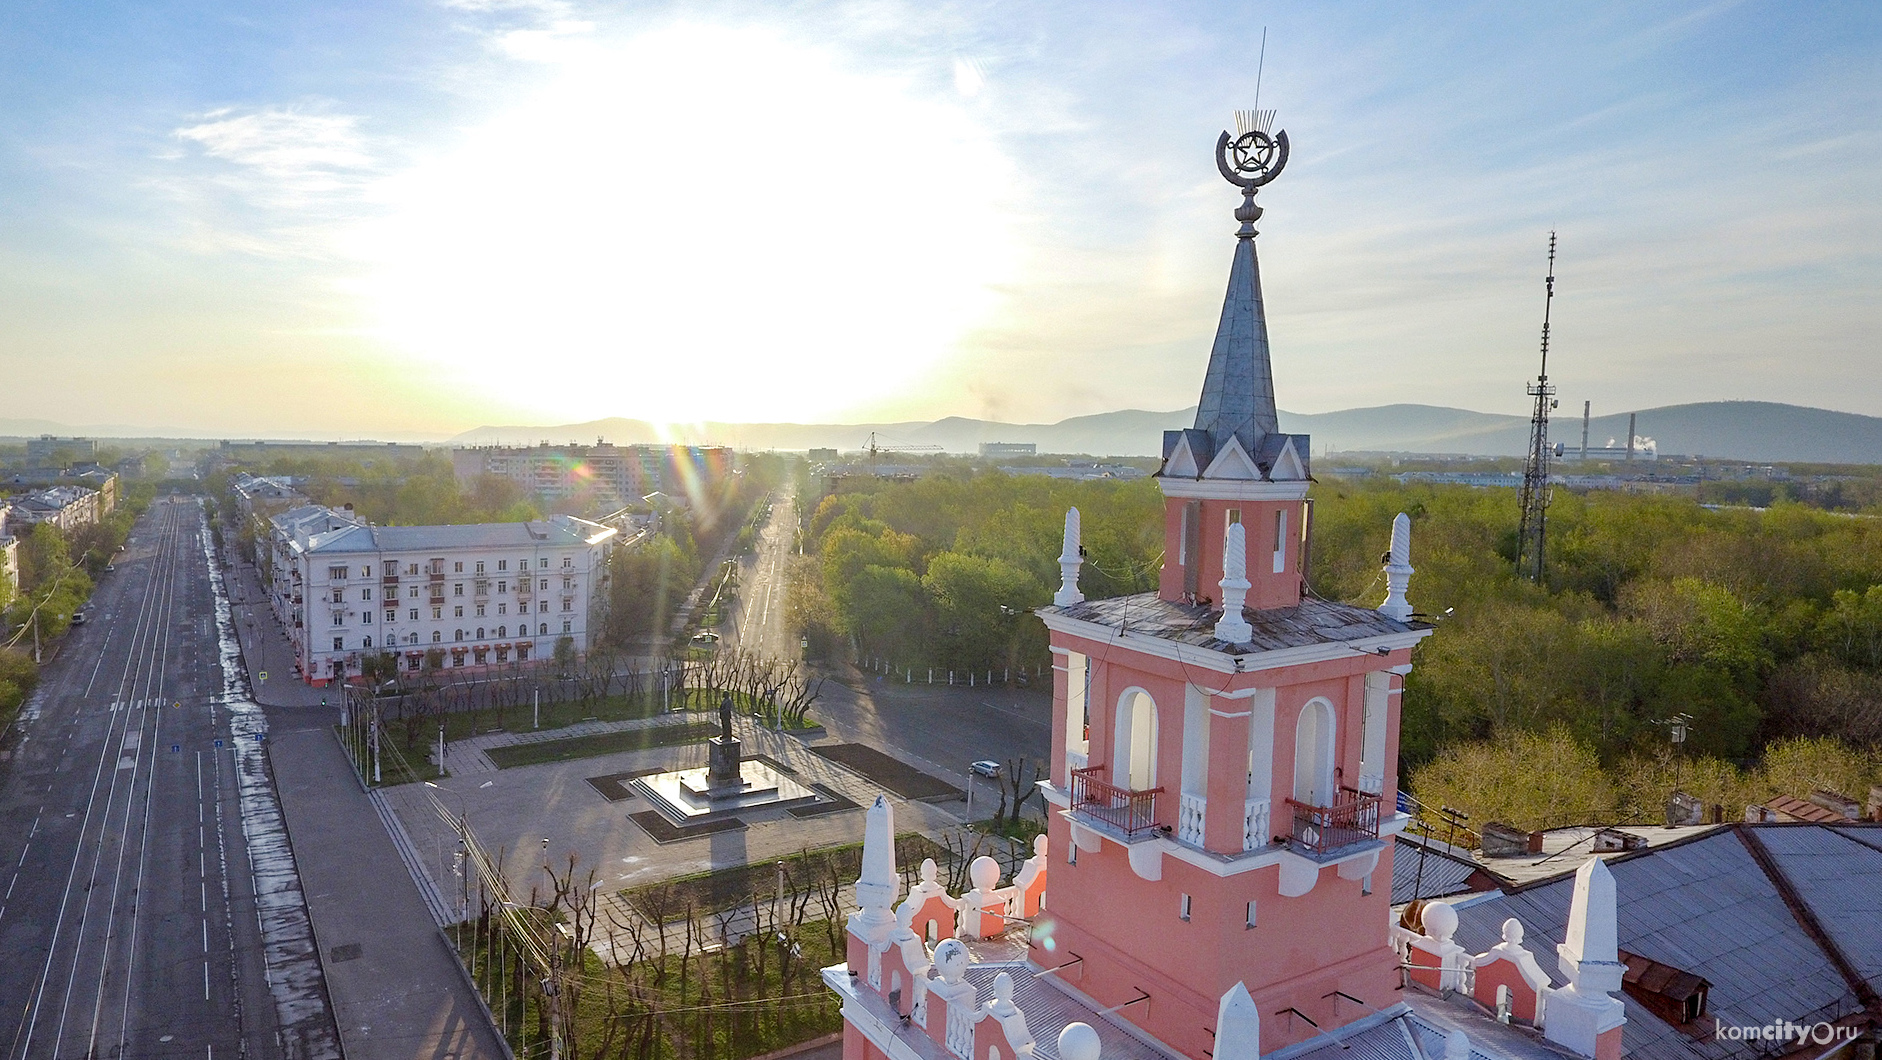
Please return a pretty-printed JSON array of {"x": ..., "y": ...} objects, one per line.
[
  {"x": 1532, "y": 533},
  {"x": 375, "y": 741}
]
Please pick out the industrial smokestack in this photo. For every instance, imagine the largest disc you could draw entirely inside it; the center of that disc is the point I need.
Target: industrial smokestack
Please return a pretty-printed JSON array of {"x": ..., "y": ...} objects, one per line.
[
  {"x": 1630, "y": 436},
  {"x": 1585, "y": 407}
]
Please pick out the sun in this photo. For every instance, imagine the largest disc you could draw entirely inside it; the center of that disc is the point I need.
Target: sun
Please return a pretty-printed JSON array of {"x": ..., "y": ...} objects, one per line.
[{"x": 700, "y": 222}]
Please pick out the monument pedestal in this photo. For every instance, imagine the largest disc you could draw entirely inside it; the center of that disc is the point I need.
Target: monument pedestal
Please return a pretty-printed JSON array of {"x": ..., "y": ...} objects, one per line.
[{"x": 722, "y": 769}]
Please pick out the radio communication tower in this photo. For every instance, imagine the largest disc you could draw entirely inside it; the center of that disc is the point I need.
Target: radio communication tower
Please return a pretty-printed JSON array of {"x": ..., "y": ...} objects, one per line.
[{"x": 1533, "y": 532}]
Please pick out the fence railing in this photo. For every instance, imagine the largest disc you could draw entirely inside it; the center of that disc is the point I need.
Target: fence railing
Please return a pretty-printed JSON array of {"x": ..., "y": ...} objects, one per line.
[
  {"x": 1125, "y": 809},
  {"x": 1353, "y": 818}
]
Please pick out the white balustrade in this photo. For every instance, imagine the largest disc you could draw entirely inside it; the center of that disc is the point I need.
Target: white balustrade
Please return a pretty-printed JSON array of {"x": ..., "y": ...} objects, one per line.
[
  {"x": 1255, "y": 831},
  {"x": 960, "y": 1029},
  {"x": 1192, "y": 811},
  {"x": 1372, "y": 783}
]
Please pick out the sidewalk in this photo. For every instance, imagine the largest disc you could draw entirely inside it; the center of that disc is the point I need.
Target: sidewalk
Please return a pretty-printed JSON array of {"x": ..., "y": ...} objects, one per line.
[
  {"x": 396, "y": 990},
  {"x": 265, "y": 647}
]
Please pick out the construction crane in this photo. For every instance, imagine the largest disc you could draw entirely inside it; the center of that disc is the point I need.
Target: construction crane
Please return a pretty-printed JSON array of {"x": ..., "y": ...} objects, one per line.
[{"x": 872, "y": 447}]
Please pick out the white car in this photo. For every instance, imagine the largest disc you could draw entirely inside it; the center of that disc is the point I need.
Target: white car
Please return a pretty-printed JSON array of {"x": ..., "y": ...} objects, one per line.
[{"x": 986, "y": 767}]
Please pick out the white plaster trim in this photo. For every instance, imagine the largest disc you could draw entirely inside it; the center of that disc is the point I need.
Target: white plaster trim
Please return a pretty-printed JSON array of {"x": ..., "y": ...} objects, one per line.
[
  {"x": 1287, "y": 465},
  {"x": 1223, "y": 662},
  {"x": 1395, "y": 691},
  {"x": 1401, "y": 670},
  {"x": 1298, "y": 874},
  {"x": 1056, "y": 650},
  {"x": 1182, "y": 460},
  {"x": 1237, "y": 714},
  {"x": 1146, "y": 860},
  {"x": 879, "y": 1033},
  {"x": 1233, "y": 463},
  {"x": 1240, "y": 693},
  {"x": 1230, "y": 489},
  {"x": 1359, "y": 867}
]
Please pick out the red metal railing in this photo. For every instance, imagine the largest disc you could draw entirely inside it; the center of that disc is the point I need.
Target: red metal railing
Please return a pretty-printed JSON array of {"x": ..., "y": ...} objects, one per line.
[
  {"x": 1353, "y": 818},
  {"x": 1122, "y": 808}
]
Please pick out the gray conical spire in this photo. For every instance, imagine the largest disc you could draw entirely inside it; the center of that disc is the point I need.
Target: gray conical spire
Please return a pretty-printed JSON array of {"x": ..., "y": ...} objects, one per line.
[{"x": 1238, "y": 392}]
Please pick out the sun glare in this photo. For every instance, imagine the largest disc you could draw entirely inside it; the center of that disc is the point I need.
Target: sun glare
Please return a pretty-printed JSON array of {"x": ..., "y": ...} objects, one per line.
[{"x": 698, "y": 223}]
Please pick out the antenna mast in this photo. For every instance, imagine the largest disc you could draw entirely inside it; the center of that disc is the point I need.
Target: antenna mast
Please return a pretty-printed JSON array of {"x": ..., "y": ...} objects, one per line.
[{"x": 1533, "y": 532}]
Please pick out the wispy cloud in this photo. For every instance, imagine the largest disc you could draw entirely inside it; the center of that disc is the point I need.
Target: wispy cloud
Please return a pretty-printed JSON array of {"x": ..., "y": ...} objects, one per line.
[{"x": 284, "y": 156}]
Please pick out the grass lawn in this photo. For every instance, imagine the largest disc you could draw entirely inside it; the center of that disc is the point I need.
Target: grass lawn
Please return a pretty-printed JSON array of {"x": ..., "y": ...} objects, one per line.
[
  {"x": 726, "y": 1005},
  {"x": 720, "y": 889},
  {"x": 607, "y": 743}
]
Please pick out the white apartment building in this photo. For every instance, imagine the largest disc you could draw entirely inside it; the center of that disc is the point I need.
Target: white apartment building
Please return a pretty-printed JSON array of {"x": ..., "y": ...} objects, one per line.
[{"x": 481, "y": 595}]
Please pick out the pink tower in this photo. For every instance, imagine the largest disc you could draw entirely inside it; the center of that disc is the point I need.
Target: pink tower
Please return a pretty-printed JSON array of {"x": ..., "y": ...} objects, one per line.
[
  {"x": 1225, "y": 748},
  {"x": 1219, "y": 829}
]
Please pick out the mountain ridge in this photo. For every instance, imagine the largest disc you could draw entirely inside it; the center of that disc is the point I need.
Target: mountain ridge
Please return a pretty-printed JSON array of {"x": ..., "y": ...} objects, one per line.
[
  {"x": 1761, "y": 431},
  {"x": 1736, "y": 430}
]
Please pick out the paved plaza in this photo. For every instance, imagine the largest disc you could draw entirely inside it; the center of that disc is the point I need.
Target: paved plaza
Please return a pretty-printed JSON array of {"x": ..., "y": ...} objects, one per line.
[{"x": 515, "y": 810}]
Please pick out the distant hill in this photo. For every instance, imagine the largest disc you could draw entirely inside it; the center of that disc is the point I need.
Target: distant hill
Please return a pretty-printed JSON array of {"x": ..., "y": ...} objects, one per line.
[{"x": 1734, "y": 430}]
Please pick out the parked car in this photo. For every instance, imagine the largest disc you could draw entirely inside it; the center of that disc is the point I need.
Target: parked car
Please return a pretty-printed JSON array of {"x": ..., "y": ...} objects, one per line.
[
  {"x": 78, "y": 619},
  {"x": 987, "y": 767},
  {"x": 705, "y": 636},
  {"x": 109, "y": 567}
]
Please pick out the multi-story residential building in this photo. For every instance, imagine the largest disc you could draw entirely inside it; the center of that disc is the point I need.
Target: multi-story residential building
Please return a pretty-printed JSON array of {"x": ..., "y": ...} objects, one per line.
[
  {"x": 9, "y": 557},
  {"x": 609, "y": 476},
  {"x": 66, "y": 507},
  {"x": 469, "y": 597},
  {"x": 266, "y": 494}
]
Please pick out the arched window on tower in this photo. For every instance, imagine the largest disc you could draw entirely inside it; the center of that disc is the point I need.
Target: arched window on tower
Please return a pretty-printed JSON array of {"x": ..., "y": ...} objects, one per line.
[
  {"x": 1313, "y": 754},
  {"x": 1134, "y": 751}
]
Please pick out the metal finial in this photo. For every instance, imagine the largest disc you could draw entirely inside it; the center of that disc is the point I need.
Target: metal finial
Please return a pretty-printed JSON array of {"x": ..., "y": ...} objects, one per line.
[{"x": 1250, "y": 159}]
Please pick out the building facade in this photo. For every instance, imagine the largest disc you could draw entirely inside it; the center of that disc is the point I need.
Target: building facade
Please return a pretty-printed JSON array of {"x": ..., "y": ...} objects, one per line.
[
  {"x": 608, "y": 477},
  {"x": 66, "y": 507},
  {"x": 458, "y": 598},
  {"x": 1215, "y": 878},
  {"x": 47, "y": 450},
  {"x": 9, "y": 557}
]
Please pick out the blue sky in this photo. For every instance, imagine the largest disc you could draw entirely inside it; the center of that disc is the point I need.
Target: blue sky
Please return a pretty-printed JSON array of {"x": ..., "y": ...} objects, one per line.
[{"x": 405, "y": 219}]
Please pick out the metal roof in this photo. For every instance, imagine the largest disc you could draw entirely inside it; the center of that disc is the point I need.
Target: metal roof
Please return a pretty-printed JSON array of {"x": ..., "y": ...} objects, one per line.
[
  {"x": 1444, "y": 873},
  {"x": 1313, "y": 621},
  {"x": 1840, "y": 880},
  {"x": 1708, "y": 907},
  {"x": 560, "y": 530}
]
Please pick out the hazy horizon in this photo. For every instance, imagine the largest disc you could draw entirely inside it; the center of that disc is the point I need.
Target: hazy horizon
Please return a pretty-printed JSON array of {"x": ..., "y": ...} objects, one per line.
[{"x": 407, "y": 221}]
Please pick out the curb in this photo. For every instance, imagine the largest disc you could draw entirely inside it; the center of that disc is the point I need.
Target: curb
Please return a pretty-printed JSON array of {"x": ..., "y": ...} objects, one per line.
[
  {"x": 483, "y": 1006},
  {"x": 427, "y": 888}
]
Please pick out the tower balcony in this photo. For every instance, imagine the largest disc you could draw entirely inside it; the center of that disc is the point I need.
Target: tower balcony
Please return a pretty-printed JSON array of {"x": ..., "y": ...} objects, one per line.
[
  {"x": 1124, "y": 809},
  {"x": 1323, "y": 831}
]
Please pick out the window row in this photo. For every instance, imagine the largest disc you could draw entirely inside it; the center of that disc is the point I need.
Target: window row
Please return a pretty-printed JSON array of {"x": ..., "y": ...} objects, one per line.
[{"x": 437, "y": 637}]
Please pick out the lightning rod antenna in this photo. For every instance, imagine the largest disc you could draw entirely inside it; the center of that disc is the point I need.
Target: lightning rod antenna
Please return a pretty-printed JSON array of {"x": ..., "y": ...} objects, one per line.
[{"x": 1261, "y": 64}]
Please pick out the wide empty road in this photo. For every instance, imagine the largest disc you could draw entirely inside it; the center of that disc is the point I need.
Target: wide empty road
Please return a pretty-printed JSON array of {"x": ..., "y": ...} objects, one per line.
[{"x": 129, "y": 925}]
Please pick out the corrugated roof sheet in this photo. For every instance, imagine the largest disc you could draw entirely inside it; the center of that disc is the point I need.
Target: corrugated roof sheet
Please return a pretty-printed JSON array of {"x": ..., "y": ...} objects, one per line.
[
  {"x": 1314, "y": 621},
  {"x": 1707, "y": 906},
  {"x": 1444, "y": 874},
  {"x": 1840, "y": 879},
  {"x": 1048, "y": 1009}
]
